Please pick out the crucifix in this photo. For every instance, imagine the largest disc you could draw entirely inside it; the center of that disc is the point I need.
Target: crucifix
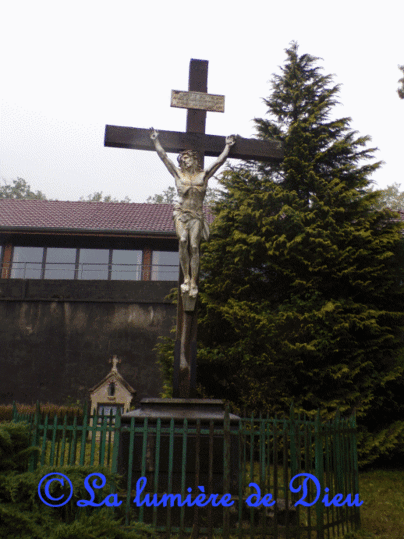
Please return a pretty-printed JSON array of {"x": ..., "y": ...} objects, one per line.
[{"x": 191, "y": 183}]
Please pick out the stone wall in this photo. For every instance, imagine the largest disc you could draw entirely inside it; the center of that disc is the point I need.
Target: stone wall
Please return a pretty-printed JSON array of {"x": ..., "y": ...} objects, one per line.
[{"x": 56, "y": 337}]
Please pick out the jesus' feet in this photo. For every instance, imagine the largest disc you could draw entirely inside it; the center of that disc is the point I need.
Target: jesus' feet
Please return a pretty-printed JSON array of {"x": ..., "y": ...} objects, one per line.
[
  {"x": 185, "y": 286},
  {"x": 193, "y": 292}
]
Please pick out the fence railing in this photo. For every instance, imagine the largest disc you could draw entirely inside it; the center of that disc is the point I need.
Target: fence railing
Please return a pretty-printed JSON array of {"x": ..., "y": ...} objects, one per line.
[{"x": 309, "y": 468}]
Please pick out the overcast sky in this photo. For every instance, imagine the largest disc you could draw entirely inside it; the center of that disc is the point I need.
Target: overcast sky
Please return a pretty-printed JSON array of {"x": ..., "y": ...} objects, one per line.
[{"x": 69, "y": 68}]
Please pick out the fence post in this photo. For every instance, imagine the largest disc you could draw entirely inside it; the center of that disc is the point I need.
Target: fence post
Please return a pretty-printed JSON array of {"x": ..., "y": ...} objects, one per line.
[
  {"x": 293, "y": 442},
  {"x": 15, "y": 412},
  {"x": 63, "y": 445},
  {"x": 226, "y": 470},
  {"x": 339, "y": 472},
  {"x": 33, "y": 461},
  {"x": 319, "y": 473},
  {"x": 117, "y": 434},
  {"x": 356, "y": 473},
  {"x": 84, "y": 435},
  {"x": 72, "y": 456},
  {"x": 45, "y": 433}
]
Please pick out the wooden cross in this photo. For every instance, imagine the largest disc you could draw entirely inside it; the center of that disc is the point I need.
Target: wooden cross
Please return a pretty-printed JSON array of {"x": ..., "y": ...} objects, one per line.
[
  {"x": 194, "y": 137},
  {"x": 197, "y": 101}
]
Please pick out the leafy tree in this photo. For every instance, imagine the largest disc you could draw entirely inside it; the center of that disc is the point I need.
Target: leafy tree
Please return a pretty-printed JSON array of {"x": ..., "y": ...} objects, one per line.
[
  {"x": 400, "y": 91},
  {"x": 301, "y": 296},
  {"x": 212, "y": 196},
  {"x": 169, "y": 196},
  {"x": 19, "y": 189},
  {"x": 391, "y": 198},
  {"x": 97, "y": 197}
]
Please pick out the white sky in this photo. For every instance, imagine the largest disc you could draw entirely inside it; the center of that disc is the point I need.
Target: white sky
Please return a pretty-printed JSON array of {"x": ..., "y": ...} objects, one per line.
[{"x": 69, "y": 68}]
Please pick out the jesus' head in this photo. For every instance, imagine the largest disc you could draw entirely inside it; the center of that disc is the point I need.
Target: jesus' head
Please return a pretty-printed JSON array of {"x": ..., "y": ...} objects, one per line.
[{"x": 190, "y": 161}]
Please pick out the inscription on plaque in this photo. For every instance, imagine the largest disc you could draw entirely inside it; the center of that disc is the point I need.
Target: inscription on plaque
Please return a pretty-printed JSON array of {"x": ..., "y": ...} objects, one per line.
[{"x": 197, "y": 100}]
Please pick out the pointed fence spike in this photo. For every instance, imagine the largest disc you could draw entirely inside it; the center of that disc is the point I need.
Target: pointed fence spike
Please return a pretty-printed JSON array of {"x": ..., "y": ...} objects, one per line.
[{"x": 292, "y": 410}]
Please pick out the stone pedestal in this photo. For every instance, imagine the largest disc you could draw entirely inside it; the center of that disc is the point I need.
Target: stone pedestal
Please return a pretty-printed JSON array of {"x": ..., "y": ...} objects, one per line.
[{"x": 207, "y": 447}]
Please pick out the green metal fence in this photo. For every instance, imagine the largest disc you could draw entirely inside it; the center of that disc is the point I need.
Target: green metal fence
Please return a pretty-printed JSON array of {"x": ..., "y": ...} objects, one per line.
[{"x": 266, "y": 452}]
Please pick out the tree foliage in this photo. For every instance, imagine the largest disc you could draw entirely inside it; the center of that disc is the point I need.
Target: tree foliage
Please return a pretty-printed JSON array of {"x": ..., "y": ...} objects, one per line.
[
  {"x": 301, "y": 296},
  {"x": 391, "y": 198},
  {"x": 98, "y": 197},
  {"x": 169, "y": 196},
  {"x": 19, "y": 189},
  {"x": 24, "y": 516},
  {"x": 15, "y": 447},
  {"x": 400, "y": 90}
]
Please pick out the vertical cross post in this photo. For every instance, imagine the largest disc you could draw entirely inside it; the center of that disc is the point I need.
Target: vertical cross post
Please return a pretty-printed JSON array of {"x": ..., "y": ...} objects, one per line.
[
  {"x": 184, "y": 382},
  {"x": 198, "y": 82}
]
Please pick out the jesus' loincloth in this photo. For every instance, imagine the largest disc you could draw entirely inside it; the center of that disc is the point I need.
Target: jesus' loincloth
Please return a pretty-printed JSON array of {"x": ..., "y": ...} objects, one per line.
[{"x": 188, "y": 219}]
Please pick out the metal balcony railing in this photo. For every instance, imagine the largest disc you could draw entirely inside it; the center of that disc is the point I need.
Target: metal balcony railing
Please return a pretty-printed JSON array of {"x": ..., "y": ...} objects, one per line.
[{"x": 89, "y": 271}]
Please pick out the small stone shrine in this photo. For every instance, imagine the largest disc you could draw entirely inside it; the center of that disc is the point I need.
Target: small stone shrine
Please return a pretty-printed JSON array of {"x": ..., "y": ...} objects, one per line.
[{"x": 111, "y": 393}]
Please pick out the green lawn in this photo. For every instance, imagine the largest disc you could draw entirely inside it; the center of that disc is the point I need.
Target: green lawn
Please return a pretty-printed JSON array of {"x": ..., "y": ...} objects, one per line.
[{"x": 382, "y": 512}]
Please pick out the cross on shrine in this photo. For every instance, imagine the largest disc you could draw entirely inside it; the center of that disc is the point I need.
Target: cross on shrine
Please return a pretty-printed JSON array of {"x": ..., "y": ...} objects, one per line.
[
  {"x": 197, "y": 102},
  {"x": 114, "y": 362}
]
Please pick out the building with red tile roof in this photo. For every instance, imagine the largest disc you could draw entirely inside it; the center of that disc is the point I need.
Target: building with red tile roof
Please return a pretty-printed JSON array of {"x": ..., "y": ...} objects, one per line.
[
  {"x": 87, "y": 225},
  {"x": 97, "y": 217},
  {"x": 79, "y": 283}
]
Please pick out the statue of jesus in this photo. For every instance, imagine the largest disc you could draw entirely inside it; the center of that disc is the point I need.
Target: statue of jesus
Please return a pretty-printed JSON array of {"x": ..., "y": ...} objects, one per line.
[{"x": 191, "y": 182}]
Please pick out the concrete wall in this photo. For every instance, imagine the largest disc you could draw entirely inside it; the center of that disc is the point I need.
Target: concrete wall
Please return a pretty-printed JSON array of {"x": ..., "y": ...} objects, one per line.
[{"x": 56, "y": 337}]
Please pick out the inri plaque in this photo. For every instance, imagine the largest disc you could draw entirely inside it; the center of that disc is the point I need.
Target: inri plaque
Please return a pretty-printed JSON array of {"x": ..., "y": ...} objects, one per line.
[{"x": 197, "y": 100}]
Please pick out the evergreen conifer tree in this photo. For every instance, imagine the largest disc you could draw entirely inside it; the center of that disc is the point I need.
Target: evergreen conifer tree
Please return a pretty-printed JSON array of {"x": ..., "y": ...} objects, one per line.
[{"x": 301, "y": 297}]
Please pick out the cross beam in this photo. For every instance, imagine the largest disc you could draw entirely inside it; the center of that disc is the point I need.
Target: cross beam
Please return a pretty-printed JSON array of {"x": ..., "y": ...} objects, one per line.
[{"x": 176, "y": 142}]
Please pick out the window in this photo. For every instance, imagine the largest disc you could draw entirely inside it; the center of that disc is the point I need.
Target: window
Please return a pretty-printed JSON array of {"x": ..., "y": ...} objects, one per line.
[
  {"x": 27, "y": 263},
  {"x": 93, "y": 264},
  {"x": 111, "y": 389},
  {"x": 126, "y": 265},
  {"x": 106, "y": 410},
  {"x": 60, "y": 263},
  {"x": 165, "y": 266}
]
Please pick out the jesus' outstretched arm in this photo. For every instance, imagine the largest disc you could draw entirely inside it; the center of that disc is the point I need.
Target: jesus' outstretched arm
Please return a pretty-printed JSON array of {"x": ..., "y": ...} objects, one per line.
[
  {"x": 214, "y": 167},
  {"x": 172, "y": 169}
]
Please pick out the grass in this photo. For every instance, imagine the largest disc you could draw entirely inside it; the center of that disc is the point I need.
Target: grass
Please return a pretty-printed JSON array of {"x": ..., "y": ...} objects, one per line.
[
  {"x": 90, "y": 448},
  {"x": 382, "y": 512}
]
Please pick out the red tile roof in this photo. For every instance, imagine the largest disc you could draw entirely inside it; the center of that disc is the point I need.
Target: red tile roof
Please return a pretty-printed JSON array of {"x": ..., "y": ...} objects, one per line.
[{"x": 91, "y": 216}]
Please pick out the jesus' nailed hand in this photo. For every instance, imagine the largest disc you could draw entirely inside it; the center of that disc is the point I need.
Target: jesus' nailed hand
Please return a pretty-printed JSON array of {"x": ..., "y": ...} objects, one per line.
[{"x": 191, "y": 182}]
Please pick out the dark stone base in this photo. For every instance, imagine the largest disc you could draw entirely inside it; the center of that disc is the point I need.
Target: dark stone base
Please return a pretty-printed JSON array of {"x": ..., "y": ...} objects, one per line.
[{"x": 207, "y": 447}]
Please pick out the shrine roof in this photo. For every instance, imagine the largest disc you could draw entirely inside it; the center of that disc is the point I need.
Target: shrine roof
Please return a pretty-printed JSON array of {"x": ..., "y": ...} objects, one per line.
[
  {"x": 114, "y": 376},
  {"x": 88, "y": 216}
]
